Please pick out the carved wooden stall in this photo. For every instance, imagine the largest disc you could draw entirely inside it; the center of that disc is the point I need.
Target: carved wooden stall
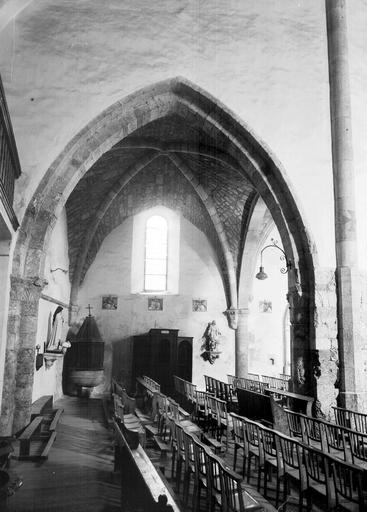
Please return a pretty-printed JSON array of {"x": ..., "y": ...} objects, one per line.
[{"x": 161, "y": 354}]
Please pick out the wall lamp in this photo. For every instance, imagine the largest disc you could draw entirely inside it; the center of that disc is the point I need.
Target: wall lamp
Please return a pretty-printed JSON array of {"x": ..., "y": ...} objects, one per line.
[{"x": 261, "y": 274}]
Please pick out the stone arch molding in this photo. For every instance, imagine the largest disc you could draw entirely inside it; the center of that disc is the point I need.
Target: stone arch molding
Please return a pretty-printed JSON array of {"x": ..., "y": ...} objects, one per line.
[{"x": 178, "y": 96}]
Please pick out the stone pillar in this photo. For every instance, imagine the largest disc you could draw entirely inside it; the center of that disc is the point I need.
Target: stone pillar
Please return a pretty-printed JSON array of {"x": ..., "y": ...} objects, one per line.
[
  {"x": 348, "y": 293},
  {"x": 20, "y": 353},
  {"x": 242, "y": 343}
]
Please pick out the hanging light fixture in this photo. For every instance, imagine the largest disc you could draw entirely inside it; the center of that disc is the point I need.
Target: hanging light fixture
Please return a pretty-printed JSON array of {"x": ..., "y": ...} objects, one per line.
[{"x": 261, "y": 274}]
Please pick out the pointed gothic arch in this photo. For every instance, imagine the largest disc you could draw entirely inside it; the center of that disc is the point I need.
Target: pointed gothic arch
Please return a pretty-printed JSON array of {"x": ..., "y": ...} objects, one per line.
[{"x": 154, "y": 102}]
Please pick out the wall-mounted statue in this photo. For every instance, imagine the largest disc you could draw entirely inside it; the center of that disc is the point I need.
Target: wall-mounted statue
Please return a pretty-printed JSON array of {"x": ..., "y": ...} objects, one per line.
[
  {"x": 56, "y": 338},
  {"x": 211, "y": 339}
]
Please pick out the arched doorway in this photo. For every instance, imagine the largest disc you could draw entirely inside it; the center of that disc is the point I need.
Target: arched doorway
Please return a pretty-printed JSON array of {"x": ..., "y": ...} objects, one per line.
[{"x": 213, "y": 134}]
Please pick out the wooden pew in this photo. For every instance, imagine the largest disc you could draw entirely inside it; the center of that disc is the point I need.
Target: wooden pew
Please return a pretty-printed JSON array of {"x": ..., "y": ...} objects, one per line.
[
  {"x": 293, "y": 401},
  {"x": 141, "y": 484},
  {"x": 254, "y": 405}
]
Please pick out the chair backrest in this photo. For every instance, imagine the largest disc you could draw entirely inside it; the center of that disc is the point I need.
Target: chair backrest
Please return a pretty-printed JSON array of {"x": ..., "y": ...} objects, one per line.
[
  {"x": 200, "y": 451},
  {"x": 238, "y": 428},
  {"x": 252, "y": 433},
  {"x": 231, "y": 380},
  {"x": 180, "y": 438},
  {"x": 214, "y": 468},
  {"x": 285, "y": 376},
  {"x": 209, "y": 384},
  {"x": 173, "y": 409},
  {"x": 312, "y": 431},
  {"x": 191, "y": 392},
  {"x": 335, "y": 441},
  {"x": 318, "y": 469},
  {"x": 290, "y": 450},
  {"x": 358, "y": 421},
  {"x": 212, "y": 406},
  {"x": 188, "y": 442},
  {"x": 342, "y": 417},
  {"x": 358, "y": 446},
  {"x": 268, "y": 443},
  {"x": 349, "y": 483},
  {"x": 235, "y": 499},
  {"x": 294, "y": 423},
  {"x": 222, "y": 414}
]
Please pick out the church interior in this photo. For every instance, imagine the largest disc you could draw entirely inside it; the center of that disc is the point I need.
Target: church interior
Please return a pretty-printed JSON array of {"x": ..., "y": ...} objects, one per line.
[{"x": 183, "y": 266}]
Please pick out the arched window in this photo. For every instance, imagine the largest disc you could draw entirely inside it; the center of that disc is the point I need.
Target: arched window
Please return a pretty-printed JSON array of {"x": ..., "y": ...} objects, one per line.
[{"x": 156, "y": 244}]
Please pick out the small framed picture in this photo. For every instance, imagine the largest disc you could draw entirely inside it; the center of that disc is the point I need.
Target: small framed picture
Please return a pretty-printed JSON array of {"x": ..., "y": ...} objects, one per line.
[
  {"x": 265, "y": 306},
  {"x": 109, "y": 302},
  {"x": 199, "y": 305},
  {"x": 155, "y": 304}
]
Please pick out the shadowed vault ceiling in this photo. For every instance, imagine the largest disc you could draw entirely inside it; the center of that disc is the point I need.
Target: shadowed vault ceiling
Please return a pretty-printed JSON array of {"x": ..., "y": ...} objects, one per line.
[{"x": 168, "y": 162}]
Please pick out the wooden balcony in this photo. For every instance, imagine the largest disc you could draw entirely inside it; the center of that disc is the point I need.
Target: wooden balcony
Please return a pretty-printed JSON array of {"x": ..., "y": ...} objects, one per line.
[{"x": 9, "y": 160}]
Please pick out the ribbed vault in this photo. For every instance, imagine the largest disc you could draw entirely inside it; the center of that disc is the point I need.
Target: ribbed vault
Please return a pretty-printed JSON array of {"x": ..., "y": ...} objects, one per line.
[{"x": 170, "y": 162}]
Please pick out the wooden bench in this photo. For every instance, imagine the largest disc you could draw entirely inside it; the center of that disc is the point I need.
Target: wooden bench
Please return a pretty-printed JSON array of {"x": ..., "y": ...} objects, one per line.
[
  {"x": 42, "y": 406},
  {"x": 38, "y": 437},
  {"x": 141, "y": 484}
]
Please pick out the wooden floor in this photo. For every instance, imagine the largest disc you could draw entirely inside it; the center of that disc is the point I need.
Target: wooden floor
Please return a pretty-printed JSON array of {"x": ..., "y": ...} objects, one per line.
[{"x": 78, "y": 475}]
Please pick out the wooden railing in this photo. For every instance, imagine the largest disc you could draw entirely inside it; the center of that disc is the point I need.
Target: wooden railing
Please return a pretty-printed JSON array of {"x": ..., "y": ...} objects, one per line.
[{"x": 9, "y": 160}]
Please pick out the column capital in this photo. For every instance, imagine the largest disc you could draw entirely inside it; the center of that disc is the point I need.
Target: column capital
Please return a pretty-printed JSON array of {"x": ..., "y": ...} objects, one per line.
[{"x": 233, "y": 315}]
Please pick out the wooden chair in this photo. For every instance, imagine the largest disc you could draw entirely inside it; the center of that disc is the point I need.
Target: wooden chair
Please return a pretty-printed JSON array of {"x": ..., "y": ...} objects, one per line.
[
  {"x": 212, "y": 415},
  {"x": 239, "y": 441},
  {"x": 201, "y": 408},
  {"x": 190, "y": 466},
  {"x": 293, "y": 468},
  {"x": 350, "y": 486},
  {"x": 342, "y": 417},
  {"x": 272, "y": 460},
  {"x": 255, "y": 450},
  {"x": 173, "y": 443},
  {"x": 214, "y": 466},
  {"x": 335, "y": 441},
  {"x": 313, "y": 431},
  {"x": 294, "y": 423},
  {"x": 179, "y": 430},
  {"x": 209, "y": 384},
  {"x": 285, "y": 376},
  {"x": 319, "y": 477},
  {"x": 358, "y": 448},
  {"x": 231, "y": 380},
  {"x": 224, "y": 421},
  {"x": 358, "y": 421},
  {"x": 235, "y": 497},
  {"x": 202, "y": 481}
]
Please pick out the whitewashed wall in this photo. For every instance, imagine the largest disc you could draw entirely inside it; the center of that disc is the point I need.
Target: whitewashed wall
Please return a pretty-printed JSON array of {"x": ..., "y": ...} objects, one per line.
[{"x": 199, "y": 278}]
